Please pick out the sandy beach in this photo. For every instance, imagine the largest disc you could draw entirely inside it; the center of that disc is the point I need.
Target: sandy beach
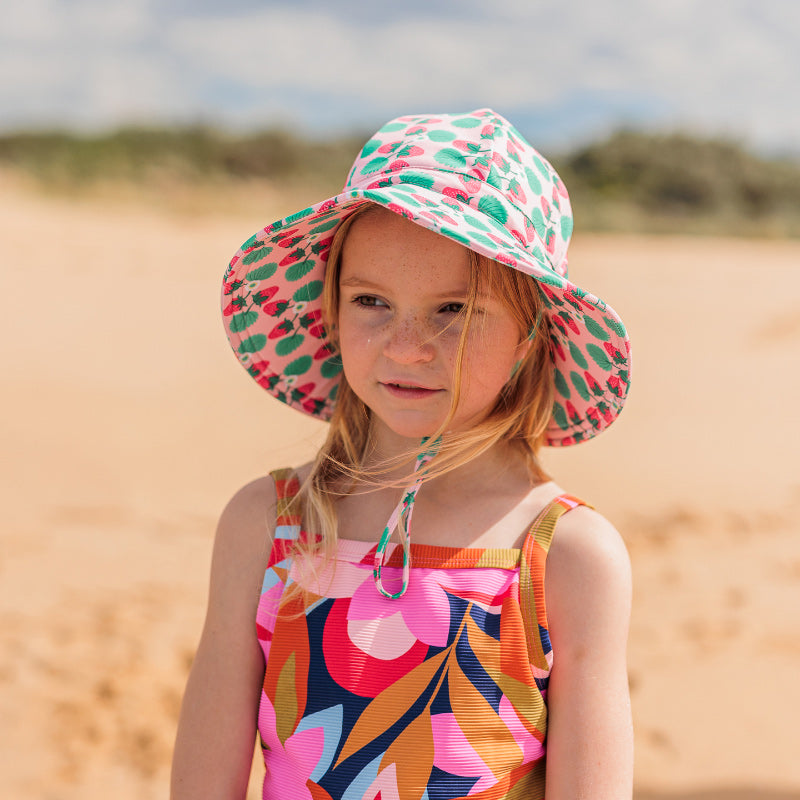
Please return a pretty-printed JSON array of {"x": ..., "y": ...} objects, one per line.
[{"x": 127, "y": 424}]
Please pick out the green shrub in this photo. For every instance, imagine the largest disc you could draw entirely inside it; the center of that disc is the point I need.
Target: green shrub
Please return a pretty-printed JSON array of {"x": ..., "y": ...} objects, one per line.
[{"x": 631, "y": 181}]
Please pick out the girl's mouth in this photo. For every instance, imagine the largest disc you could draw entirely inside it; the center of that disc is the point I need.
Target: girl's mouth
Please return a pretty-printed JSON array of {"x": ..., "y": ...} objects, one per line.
[{"x": 409, "y": 391}]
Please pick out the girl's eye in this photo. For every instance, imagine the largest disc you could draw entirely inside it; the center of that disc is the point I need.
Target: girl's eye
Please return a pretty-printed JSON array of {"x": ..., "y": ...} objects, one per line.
[
  {"x": 368, "y": 300},
  {"x": 452, "y": 308}
]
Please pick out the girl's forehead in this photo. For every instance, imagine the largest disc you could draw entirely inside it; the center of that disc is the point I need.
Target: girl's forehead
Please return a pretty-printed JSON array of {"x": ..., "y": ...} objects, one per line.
[
  {"x": 385, "y": 245},
  {"x": 413, "y": 277},
  {"x": 379, "y": 225}
]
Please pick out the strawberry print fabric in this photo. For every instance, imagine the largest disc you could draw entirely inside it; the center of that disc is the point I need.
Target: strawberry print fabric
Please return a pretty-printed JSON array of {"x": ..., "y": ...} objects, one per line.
[
  {"x": 440, "y": 693},
  {"x": 472, "y": 178}
]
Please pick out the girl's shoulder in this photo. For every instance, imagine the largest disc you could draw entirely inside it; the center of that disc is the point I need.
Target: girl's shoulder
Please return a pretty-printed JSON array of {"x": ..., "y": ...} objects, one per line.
[
  {"x": 588, "y": 578},
  {"x": 585, "y": 535},
  {"x": 248, "y": 519},
  {"x": 244, "y": 534}
]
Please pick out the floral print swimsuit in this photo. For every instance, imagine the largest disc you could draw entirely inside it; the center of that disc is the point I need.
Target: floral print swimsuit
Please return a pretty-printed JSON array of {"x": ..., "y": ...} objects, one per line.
[{"x": 438, "y": 694}]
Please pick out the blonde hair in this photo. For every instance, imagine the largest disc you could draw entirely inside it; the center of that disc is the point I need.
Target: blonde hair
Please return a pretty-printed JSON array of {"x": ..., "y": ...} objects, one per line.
[{"x": 519, "y": 416}]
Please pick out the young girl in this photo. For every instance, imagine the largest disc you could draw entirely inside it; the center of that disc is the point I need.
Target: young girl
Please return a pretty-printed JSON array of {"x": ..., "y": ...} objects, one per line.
[{"x": 477, "y": 650}]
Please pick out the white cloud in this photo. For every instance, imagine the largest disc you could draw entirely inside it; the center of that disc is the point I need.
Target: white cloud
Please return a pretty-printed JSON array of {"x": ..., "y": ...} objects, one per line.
[{"x": 709, "y": 65}]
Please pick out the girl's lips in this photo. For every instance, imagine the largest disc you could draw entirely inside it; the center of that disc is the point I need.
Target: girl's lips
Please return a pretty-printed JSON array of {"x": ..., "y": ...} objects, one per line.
[{"x": 408, "y": 391}]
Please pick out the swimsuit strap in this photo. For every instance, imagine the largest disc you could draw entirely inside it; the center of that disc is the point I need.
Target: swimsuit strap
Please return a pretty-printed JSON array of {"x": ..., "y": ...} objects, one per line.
[
  {"x": 287, "y": 485},
  {"x": 288, "y": 516},
  {"x": 531, "y": 578}
]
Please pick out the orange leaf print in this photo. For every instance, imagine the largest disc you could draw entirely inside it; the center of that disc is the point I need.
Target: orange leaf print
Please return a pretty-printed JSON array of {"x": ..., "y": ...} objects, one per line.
[
  {"x": 412, "y": 754},
  {"x": 286, "y": 701},
  {"x": 483, "y": 728},
  {"x": 317, "y": 792},
  {"x": 485, "y": 647},
  {"x": 525, "y": 697},
  {"x": 390, "y": 705},
  {"x": 526, "y": 782},
  {"x": 514, "y": 653},
  {"x": 290, "y": 641},
  {"x": 527, "y": 702}
]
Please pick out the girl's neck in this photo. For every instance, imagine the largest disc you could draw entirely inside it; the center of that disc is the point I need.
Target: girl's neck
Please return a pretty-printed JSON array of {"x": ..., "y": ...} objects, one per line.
[
  {"x": 394, "y": 457},
  {"x": 487, "y": 502}
]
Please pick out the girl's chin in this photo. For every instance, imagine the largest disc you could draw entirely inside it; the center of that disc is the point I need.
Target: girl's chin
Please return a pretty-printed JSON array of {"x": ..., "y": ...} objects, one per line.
[{"x": 403, "y": 432}]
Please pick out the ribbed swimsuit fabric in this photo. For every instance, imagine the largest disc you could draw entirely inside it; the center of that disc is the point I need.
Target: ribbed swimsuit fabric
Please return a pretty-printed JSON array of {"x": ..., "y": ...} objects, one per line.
[{"x": 436, "y": 695}]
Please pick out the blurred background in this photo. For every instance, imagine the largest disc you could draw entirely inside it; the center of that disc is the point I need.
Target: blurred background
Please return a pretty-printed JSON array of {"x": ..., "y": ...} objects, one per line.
[{"x": 141, "y": 142}]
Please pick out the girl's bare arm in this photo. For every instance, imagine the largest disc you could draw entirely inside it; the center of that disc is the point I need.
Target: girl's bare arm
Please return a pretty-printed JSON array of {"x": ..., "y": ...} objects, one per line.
[
  {"x": 588, "y": 596},
  {"x": 216, "y": 733}
]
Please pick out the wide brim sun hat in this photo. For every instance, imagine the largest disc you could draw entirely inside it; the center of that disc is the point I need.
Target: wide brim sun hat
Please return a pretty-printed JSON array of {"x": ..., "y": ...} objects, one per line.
[{"x": 470, "y": 177}]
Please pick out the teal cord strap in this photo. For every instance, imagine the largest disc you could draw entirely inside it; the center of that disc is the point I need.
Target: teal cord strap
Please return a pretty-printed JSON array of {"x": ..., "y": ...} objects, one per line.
[{"x": 401, "y": 520}]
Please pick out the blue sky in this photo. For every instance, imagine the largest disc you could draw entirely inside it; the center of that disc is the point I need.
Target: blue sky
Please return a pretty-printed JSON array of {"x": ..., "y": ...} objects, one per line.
[{"x": 564, "y": 72}]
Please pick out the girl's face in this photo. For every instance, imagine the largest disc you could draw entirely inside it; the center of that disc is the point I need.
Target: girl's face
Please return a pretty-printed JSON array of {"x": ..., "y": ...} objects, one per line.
[{"x": 401, "y": 288}]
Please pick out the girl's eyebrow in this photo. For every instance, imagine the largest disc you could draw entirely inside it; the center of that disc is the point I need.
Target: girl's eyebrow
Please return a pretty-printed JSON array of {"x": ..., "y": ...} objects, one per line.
[{"x": 357, "y": 282}]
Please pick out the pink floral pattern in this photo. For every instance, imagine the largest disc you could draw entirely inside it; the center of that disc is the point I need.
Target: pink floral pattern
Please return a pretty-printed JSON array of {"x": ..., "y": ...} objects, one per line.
[{"x": 438, "y": 693}]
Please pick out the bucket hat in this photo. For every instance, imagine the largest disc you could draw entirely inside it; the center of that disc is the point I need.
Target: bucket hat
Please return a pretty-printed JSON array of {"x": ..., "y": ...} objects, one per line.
[{"x": 473, "y": 178}]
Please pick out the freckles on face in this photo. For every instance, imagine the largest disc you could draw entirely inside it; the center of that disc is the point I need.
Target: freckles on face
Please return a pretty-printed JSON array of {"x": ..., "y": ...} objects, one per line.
[{"x": 401, "y": 291}]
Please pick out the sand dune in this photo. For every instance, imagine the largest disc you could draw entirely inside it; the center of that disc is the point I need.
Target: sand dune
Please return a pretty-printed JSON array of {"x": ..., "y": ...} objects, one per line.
[{"x": 127, "y": 424}]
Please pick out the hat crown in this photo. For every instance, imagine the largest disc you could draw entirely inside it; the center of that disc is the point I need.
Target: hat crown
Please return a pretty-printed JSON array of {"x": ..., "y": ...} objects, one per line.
[{"x": 477, "y": 160}]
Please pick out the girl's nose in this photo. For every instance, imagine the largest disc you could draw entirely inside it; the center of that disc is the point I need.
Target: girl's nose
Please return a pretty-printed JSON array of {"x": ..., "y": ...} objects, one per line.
[{"x": 409, "y": 340}]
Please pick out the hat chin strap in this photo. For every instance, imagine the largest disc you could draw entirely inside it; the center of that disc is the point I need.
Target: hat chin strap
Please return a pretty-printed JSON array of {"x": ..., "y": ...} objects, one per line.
[{"x": 400, "y": 520}]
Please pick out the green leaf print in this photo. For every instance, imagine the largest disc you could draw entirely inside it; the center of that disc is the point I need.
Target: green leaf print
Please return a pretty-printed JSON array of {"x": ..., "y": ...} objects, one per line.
[
  {"x": 376, "y": 165},
  {"x": 493, "y": 208},
  {"x": 331, "y": 367},
  {"x": 540, "y": 165},
  {"x": 577, "y": 355},
  {"x": 596, "y": 330},
  {"x": 560, "y": 416},
  {"x": 402, "y": 195},
  {"x": 441, "y": 136},
  {"x": 244, "y": 320},
  {"x": 479, "y": 238},
  {"x": 370, "y": 147},
  {"x": 324, "y": 226},
  {"x": 566, "y": 227},
  {"x": 299, "y": 215},
  {"x": 257, "y": 255},
  {"x": 311, "y": 291},
  {"x": 549, "y": 278},
  {"x": 299, "y": 270},
  {"x": 251, "y": 242},
  {"x": 537, "y": 218},
  {"x": 378, "y": 197},
  {"x": 299, "y": 366},
  {"x": 580, "y": 384},
  {"x": 467, "y": 122},
  {"x": 391, "y": 127},
  {"x": 533, "y": 180},
  {"x": 253, "y": 344},
  {"x": 615, "y": 326},
  {"x": 262, "y": 273},
  {"x": 450, "y": 157},
  {"x": 493, "y": 178},
  {"x": 561, "y": 385},
  {"x": 288, "y": 344},
  {"x": 425, "y": 181},
  {"x": 459, "y": 237},
  {"x": 599, "y": 357},
  {"x": 475, "y": 222}
]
